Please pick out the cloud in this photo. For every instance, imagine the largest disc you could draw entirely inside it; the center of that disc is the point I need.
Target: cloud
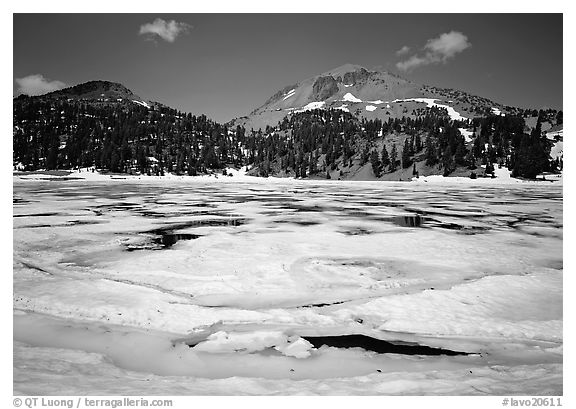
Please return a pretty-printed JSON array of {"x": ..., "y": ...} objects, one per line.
[
  {"x": 36, "y": 84},
  {"x": 167, "y": 30},
  {"x": 403, "y": 50},
  {"x": 437, "y": 50}
]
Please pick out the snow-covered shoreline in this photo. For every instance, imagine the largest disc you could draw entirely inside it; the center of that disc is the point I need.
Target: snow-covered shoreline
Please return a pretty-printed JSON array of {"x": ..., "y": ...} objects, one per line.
[{"x": 502, "y": 177}]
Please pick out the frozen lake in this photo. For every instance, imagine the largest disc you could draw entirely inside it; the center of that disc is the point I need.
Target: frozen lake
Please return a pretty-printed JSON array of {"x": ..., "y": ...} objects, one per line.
[{"x": 284, "y": 287}]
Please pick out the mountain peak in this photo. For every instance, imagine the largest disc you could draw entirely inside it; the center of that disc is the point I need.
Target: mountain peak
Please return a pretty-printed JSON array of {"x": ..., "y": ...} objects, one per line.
[
  {"x": 343, "y": 69},
  {"x": 95, "y": 90}
]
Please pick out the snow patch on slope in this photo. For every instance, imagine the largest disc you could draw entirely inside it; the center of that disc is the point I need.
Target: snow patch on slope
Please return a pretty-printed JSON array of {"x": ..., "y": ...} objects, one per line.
[
  {"x": 466, "y": 134},
  {"x": 350, "y": 98},
  {"x": 370, "y": 108},
  {"x": 144, "y": 104},
  {"x": 431, "y": 102},
  {"x": 496, "y": 111},
  {"x": 289, "y": 94},
  {"x": 311, "y": 106},
  {"x": 557, "y": 150}
]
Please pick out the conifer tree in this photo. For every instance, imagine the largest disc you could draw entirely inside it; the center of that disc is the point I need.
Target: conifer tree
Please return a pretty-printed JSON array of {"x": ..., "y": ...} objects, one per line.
[
  {"x": 375, "y": 162},
  {"x": 393, "y": 158},
  {"x": 385, "y": 159}
]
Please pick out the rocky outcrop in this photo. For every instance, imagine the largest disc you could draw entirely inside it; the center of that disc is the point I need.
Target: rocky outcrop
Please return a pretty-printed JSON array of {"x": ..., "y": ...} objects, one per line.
[
  {"x": 324, "y": 88},
  {"x": 355, "y": 77}
]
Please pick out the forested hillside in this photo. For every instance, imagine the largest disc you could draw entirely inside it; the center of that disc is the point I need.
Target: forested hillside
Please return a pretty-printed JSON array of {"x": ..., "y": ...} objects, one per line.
[{"x": 112, "y": 131}]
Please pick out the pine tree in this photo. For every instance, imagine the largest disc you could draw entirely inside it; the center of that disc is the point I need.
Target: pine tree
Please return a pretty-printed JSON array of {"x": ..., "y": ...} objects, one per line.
[
  {"x": 417, "y": 144},
  {"x": 375, "y": 162},
  {"x": 406, "y": 153},
  {"x": 393, "y": 158},
  {"x": 365, "y": 156},
  {"x": 460, "y": 154},
  {"x": 447, "y": 161},
  {"x": 532, "y": 157},
  {"x": 385, "y": 159},
  {"x": 489, "y": 169},
  {"x": 431, "y": 153}
]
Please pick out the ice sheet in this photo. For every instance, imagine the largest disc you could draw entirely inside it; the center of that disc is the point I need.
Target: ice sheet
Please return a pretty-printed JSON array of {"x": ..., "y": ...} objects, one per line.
[{"x": 276, "y": 260}]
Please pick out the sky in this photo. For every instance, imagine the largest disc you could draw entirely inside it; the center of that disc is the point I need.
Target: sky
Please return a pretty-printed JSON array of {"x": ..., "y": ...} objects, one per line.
[{"x": 226, "y": 65}]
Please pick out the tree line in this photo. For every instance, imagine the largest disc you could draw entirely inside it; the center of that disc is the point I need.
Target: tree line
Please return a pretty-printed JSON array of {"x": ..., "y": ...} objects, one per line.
[{"x": 124, "y": 137}]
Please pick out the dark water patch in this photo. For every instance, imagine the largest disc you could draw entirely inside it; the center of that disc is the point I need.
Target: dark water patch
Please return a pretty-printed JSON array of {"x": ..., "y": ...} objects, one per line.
[
  {"x": 201, "y": 204},
  {"x": 402, "y": 221},
  {"x": 114, "y": 207},
  {"x": 162, "y": 242},
  {"x": 298, "y": 222},
  {"x": 379, "y": 346},
  {"x": 227, "y": 222},
  {"x": 166, "y": 236},
  {"x": 119, "y": 205},
  {"x": 34, "y": 226},
  {"x": 19, "y": 200},
  {"x": 408, "y": 221},
  {"x": 83, "y": 222},
  {"x": 469, "y": 230},
  {"x": 169, "y": 239},
  {"x": 358, "y": 231},
  {"x": 446, "y": 225},
  {"x": 382, "y": 204},
  {"x": 192, "y": 213},
  {"x": 513, "y": 224},
  {"x": 35, "y": 267},
  {"x": 303, "y": 208},
  {"x": 322, "y": 304},
  {"x": 39, "y": 214},
  {"x": 178, "y": 213}
]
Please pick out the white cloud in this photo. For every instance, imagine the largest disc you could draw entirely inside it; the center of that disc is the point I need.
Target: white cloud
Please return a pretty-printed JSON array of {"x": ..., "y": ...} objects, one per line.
[
  {"x": 167, "y": 30},
  {"x": 437, "y": 50},
  {"x": 404, "y": 50},
  {"x": 36, "y": 84}
]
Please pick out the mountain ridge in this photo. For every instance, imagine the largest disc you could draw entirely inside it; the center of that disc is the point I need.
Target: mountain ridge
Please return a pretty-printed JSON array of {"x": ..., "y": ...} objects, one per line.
[
  {"x": 99, "y": 92},
  {"x": 423, "y": 130},
  {"x": 363, "y": 92}
]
